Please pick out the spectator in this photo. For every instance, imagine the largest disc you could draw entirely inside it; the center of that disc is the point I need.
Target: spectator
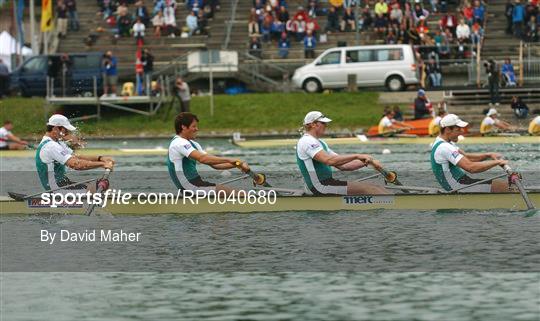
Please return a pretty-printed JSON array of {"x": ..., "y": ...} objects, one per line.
[
  {"x": 181, "y": 90},
  {"x": 396, "y": 16},
  {"x": 518, "y": 16},
  {"x": 422, "y": 106},
  {"x": 312, "y": 10},
  {"x": 313, "y": 26},
  {"x": 4, "y": 79},
  {"x": 332, "y": 20},
  {"x": 448, "y": 21},
  {"x": 493, "y": 81},
  {"x": 73, "y": 16},
  {"x": 300, "y": 27},
  {"x": 532, "y": 30},
  {"x": 255, "y": 47},
  {"x": 141, "y": 12},
  {"x": 381, "y": 24},
  {"x": 479, "y": 12},
  {"x": 419, "y": 13},
  {"x": 138, "y": 32},
  {"x": 508, "y": 12},
  {"x": 349, "y": 22},
  {"x": 381, "y": 8},
  {"x": 391, "y": 38},
  {"x": 158, "y": 23},
  {"x": 283, "y": 14},
  {"x": 110, "y": 75},
  {"x": 253, "y": 26},
  {"x": 468, "y": 14},
  {"x": 61, "y": 19},
  {"x": 309, "y": 45},
  {"x": 365, "y": 20},
  {"x": 169, "y": 18},
  {"x": 521, "y": 110},
  {"x": 508, "y": 73},
  {"x": 398, "y": 115},
  {"x": 434, "y": 73},
  {"x": 284, "y": 45},
  {"x": 124, "y": 23},
  {"x": 408, "y": 18},
  {"x": 202, "y": 23},
  {"x": 463, "y": 32},
  {"x": 477, "y": 34},
  {"x": 191, "y": 23},
  {"x": 147, "y": 60}
]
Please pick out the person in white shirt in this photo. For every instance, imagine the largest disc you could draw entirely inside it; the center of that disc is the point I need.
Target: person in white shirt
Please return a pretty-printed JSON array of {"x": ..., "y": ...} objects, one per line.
[
  {"x": 8, "y": 141},
  {"x": 158, "y": 22},
  {"x": 534, "y": 126},
  {"x": 449, "y": 163},
  {"x": 138, "y": 31},
  {"x": 463, "y": 31},
  {"x": 492, "y": 124},
  {"x": 53, "y": 155},
  {"x": 315, "y": 161},
  {"x": 184, "y": 154},
  {"x": 388, "y": 125}
]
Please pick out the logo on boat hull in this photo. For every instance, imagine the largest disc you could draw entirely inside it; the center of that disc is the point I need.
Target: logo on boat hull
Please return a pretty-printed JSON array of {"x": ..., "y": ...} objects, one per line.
[
  {"x": 368, "y": 200},
  {"x": 38, "y": 203}
]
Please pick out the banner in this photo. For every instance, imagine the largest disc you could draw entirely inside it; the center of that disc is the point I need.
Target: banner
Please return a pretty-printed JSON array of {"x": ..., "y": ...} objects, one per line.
[
  {"x": 19, "y": 18},
  {"x": 46, "y": 15}
]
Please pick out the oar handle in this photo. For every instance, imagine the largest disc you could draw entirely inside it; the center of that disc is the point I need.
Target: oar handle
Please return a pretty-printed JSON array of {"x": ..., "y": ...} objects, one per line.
[{"x": 258, "y": 179}]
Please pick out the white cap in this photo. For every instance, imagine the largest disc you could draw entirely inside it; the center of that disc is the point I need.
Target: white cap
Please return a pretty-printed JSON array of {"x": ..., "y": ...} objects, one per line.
[
  {"x": 314, "y": 116},
  {"x": 61, "y": 120},
  {"x": 452, "y": 120},
  {"x": 491, "y": 112}
]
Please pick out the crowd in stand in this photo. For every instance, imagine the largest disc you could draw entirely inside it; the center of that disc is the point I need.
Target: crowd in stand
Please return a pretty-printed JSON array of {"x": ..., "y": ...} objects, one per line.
[
  {"x": 523, "y": 19},
  {"x": 132, "y": 18},
  {"x": 66, "y": 17}
]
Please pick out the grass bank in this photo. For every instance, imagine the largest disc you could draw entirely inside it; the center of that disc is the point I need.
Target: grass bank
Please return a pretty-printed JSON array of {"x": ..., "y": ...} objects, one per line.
[{"x": 249, "y": 113}]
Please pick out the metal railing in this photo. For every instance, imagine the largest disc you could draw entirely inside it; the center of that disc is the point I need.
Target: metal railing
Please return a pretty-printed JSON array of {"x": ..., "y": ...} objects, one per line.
[{"x": 230, "y": 24}]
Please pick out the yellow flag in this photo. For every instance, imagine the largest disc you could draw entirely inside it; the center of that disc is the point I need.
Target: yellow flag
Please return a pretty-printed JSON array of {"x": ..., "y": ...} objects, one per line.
[{"x": 46, "y": 15}]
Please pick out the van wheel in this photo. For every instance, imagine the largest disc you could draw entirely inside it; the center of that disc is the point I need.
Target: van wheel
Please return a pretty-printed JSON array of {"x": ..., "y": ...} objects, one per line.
[
  {"x": 395, "y": 83},
  {"x": 312, "y": 85}
]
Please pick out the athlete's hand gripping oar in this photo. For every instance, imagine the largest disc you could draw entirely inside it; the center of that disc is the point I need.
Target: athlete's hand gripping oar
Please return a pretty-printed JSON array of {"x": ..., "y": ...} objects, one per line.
[
  {"x": 258, "y": 178},
  {"x": 102, "y": 185},
  {"x": 515, "y": 178},
  {"x": 389, "y": 176}
]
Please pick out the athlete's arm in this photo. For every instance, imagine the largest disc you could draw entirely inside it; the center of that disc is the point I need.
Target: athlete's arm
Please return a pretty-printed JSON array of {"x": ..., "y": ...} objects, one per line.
[
  {"x": 338, "y": 160},
  {"x": 352, "y": 166},
  {"x": 16, "y": 139},
  {"x": 479, "y": 167},
  {"x": 223, "y": 166},
  {"x": 78, "y": 163},
  {"x": 211, "y": 160},
  {"x": 478, "y": 157}
]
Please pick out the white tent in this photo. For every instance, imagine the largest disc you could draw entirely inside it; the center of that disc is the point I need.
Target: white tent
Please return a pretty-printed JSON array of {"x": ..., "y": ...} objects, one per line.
[{"x": 9, "y": 46}]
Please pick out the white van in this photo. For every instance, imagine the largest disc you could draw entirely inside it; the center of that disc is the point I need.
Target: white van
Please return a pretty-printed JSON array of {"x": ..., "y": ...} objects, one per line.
[{"x": 393, "y": 66}]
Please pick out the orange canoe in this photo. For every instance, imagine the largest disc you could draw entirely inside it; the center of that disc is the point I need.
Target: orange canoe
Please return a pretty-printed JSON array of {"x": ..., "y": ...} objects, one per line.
[{"x": 420, "y": 127}]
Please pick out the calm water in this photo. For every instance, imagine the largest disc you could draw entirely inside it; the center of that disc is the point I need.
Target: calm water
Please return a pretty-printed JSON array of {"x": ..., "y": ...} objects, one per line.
[{"x": 394, "y": 265}]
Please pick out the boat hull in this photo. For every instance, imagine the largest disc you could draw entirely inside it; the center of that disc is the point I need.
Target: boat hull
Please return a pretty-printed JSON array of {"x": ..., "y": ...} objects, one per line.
[{"x": 476, "y": 201}]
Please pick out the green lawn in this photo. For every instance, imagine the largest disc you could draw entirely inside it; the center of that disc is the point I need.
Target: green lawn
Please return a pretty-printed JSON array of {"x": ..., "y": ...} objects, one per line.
[{"x": 249, "y": 113}]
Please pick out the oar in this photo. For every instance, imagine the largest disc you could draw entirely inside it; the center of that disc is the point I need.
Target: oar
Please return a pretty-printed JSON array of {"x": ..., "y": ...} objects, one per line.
[
  {"x": 514, "y": 178},
  {"x": 91, "y": 207},
  {"x": 21, "y": 197},
  {"x": 389, "y": 176},
  {"x": 258, "y": 178},
  {"x": 234, "y": 179}
]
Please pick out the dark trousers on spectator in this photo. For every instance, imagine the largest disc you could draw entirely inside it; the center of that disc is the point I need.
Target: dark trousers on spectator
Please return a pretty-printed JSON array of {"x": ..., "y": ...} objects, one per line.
[
  {"x": 494, "y": 91},
  {"x": 309, "y": 53},
  {"x": 4, "y": 83},
  {"x": 518, "y": 29},
  {"x": 184, "y": 106},
  {"x": 509, "y": 25}
]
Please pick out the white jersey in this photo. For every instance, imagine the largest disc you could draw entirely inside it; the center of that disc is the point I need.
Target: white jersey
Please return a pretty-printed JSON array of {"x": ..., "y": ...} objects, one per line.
[
  {"x": 51, "y": 157},
  {"x": 4, "y": 133},
  {"x": 313, "y": 171},
  {"x": 182, "y": 169}
]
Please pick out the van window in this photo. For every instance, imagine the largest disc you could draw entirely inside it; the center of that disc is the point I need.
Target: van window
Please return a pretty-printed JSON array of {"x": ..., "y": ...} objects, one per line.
[
  {"x": 331, "y": 58},
  {"x": 389, "y": 54},
  {"x": 36, "y": 65},
  {"x": 85, "y": 62},
  {"x": 354, "y": 56}
]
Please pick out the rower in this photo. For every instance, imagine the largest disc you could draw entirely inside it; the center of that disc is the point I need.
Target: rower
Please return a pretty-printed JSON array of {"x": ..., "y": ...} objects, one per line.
[
  {"x": 388, "y": 124},
  {"x": 315, "y": 159},
  {"x": 449, "y": 162},
  {"x": 492, "y": 124},
  {"x": 8, "y": 141},
  {"x": 184, "y": 154},
  {"x": 434, "y": 127},
  {"x": 534, "y": 126},
  {"x": 53, "y": 155}
]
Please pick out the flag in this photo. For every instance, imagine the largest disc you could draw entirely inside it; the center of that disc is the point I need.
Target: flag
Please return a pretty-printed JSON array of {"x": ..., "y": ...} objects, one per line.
[
  {"x": 46, "y": 15},
  {"x": 19, "y": 17}
]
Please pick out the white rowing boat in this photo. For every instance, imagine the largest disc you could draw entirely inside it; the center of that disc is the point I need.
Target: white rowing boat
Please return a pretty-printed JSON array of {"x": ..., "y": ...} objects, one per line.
[
  {"x": 411, "y": 201},
  {"x": 361, "y": 140}
]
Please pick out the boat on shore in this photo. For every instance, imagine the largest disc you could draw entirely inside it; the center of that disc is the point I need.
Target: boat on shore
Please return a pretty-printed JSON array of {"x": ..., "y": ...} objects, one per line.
[{"x": 364, "y": 140}]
